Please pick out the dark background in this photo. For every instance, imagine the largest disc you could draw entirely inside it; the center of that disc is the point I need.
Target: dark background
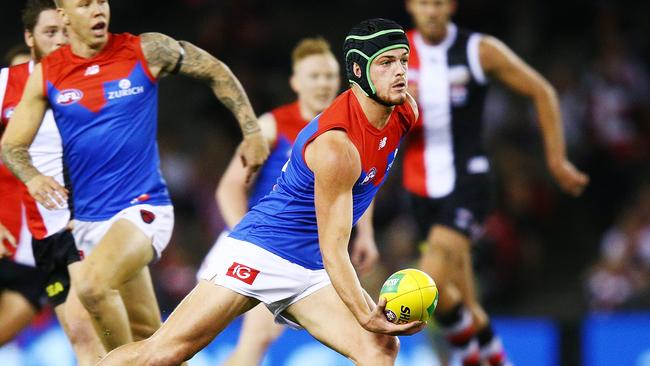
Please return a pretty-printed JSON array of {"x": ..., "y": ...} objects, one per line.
[{"x": 544, "y": 253}]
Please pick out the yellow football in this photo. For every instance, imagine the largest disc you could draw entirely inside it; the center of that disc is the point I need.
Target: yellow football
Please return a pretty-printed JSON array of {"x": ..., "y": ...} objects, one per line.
[{"x": 411, "y": 295}]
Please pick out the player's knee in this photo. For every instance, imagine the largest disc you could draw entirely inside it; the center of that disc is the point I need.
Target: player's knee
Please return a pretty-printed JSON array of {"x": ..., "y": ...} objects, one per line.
[
  {"x": 92, "y": 295},
  {"x": 379, "y": 351},
  {"x": 152, "y": 352}
]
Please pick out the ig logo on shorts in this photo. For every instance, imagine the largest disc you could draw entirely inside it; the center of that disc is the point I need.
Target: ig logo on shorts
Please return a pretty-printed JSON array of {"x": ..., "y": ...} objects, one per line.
[{"x": 243, "y": 273}]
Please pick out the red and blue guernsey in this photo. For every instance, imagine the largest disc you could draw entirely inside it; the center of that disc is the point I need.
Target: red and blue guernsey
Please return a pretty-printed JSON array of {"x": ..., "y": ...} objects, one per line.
[
  {"x": 284, "y": 222},
  {"x": 288, "y": 122},
  {"x": 106, "y": 108}
]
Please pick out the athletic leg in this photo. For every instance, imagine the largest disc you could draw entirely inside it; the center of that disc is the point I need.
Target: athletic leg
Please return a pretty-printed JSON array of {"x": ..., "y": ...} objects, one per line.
[
  {"x": 119, "y": 256},
  {"x": 16, "y": 312},
  {"x": 77, "y": 325},
  {"x": 258, "y": 332},
  {"x": 324, "y": 315},
  {"x": 200, "y": 317},
  {"x": 141, "y": 305},
  {"x": 444, "y": 260}
]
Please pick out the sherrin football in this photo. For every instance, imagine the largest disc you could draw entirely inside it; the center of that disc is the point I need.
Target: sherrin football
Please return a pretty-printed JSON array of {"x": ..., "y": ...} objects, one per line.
[{"x": 411, "y": 295}]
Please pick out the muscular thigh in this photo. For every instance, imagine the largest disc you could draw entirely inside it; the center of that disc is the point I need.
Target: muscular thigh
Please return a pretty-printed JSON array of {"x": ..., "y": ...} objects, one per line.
[
  {"x": 324, "y": 315},
  {"x": 120, "y": 255}
]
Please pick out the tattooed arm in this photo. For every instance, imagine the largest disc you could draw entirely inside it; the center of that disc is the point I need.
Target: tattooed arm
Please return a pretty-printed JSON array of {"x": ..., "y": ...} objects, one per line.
[
  {"x": 165, "y": 55},
  {"x": 19, "y": 135}
]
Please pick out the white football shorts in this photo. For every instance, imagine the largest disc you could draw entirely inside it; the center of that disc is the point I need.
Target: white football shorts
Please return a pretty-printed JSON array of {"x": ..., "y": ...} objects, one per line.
[
  {"x": 255, "y": 272},
  {"x": 156, "y": 222}
]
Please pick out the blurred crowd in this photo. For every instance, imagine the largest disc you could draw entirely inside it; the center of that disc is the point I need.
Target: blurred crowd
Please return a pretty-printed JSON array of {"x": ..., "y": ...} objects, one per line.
[{"x": 542, "y": 253}]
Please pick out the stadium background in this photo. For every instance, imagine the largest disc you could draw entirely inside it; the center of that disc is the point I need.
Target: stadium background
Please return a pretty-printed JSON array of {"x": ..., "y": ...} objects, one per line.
[{"x": 545, "y": 256}]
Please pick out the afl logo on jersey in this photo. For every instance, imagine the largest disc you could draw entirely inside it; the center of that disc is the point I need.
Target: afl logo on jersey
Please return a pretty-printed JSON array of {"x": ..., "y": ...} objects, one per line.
[
  {"x": 370, "y": 176},
  {"x": 69, "y": 96}
]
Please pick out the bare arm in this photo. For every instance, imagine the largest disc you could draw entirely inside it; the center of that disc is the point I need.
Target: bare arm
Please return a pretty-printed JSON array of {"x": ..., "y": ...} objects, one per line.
[
  {"x": 336, "y": 165},
  {"x": 19, "y": 135},
  {"x": 503, "y": 64},
  {"x": 163, "y": 56},
  {"x": 233, "y": 189},
  {"x": 364, "y": 249}
]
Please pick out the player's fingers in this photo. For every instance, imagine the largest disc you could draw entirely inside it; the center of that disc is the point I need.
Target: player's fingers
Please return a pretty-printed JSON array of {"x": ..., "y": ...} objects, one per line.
[
  {"x": 6, "y": 235},
  {"x": 381, "y": 304},
  {"x": 408, "y": 328}
]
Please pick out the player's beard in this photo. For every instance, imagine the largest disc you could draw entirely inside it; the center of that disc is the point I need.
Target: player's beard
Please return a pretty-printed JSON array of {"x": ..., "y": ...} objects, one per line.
[{"x": 38, "y": 52}]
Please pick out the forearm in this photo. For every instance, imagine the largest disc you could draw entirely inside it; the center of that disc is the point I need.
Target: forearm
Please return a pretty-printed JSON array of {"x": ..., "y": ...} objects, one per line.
[
  {"x": 19, "y": 162},
  {"x": 231, "y": 93},
  {"x": 550, "y": 120},
  {"x": 346, "y": 283}
]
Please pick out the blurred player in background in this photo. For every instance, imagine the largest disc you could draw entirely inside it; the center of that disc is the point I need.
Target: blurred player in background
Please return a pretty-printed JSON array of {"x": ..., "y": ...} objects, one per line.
[
  {"x": 337, "y": 164},
  {"x": 18, "y": 54},
  {"x": 45, "y": 240},
  {"x": 446, "y": 167},
  {"x": 316, "y": 81},
  {"x": 103, "y": 89}
]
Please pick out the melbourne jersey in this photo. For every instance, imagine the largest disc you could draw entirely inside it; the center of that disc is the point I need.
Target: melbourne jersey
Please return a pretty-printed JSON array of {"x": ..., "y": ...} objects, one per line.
[
  {"x": 288, "y": 122},
  {"x": 284, "y": 222},
  {"x": 106, "y": 109},
  {"x": 46, "y": 153},
  {"x": 446, "y": 145}
]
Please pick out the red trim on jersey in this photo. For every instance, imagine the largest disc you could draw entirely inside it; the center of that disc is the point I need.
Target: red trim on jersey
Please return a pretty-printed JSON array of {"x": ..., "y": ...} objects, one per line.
[
  {"x": 288, "y": 121},
  {"x": 413, "y": 169},
  {"x": 145, "y": 63},
  {"x": 35, "y": 220}
]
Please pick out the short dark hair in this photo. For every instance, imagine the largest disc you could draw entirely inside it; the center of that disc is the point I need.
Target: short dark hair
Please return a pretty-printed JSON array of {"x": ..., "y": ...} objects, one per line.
[{"x": 33, "y": 10}]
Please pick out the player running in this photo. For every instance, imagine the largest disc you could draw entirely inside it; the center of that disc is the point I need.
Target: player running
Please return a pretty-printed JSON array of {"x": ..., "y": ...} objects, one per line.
[
  {"x": 446, "y": 167},
  {"x": 315, "y": 79},
  {"x": 103, "y": 90}
]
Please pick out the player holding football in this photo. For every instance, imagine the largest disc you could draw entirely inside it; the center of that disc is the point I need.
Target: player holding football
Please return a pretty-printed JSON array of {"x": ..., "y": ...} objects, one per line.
[
  {"x": 337, "y": 164},
  {"x": 103, "y": 88},
  {"x": 446, "y": 167},
  {"x": 316, "y": 81}
]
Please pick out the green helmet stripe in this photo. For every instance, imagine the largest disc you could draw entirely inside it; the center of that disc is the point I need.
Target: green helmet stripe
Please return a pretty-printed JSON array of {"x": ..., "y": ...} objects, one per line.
[
  {"x": 372, "y": 58},
  {"x": 376, "y": 34},
  {"x": 354, "y": 50}
]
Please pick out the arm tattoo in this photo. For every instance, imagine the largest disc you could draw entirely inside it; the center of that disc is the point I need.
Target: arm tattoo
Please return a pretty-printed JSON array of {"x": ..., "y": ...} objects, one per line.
[
  {"x": 164, "y": 52},
  {"x": 18, "y": 160}
]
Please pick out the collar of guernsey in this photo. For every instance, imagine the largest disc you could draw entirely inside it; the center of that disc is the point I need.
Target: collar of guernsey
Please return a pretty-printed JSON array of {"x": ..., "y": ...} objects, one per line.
[
  {"x": 106, "y": 108},
  {"x": 284, "y": 221}
]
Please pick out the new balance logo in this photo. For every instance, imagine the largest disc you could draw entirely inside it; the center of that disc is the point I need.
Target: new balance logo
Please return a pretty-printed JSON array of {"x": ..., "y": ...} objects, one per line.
[
  {"x": 92, "y": 70},
  {"x": 382, "y": 143},
  {"x": 243, "y": 273}
]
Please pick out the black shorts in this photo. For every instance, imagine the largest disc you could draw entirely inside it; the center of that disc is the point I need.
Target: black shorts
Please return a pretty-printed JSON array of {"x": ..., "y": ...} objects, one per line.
[
  {"x": 27, "y": 281},
  {"x": 53, "y": 255},
  {"x": 463, "y": 210}
]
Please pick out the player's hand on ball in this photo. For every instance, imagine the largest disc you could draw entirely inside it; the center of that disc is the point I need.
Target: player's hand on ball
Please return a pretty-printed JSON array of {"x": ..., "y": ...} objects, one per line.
[
  {"x": 378, "y": 323},
  {"x": 253, "y": 152},
  {"x": 47, "y": 191}
]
